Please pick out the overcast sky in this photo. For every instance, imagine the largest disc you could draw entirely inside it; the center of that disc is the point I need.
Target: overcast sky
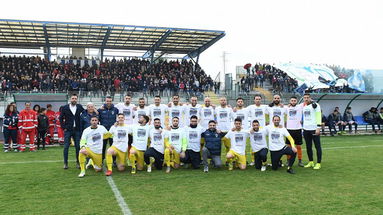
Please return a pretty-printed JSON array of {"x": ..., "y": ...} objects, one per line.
[{"x": 347, "y": 33}]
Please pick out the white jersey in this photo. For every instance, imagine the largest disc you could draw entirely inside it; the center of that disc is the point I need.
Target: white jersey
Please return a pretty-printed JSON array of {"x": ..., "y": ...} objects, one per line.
[
  {"x": 94, "y": 138},
  {"x": 190, "y": 111},
  {"x": 157, "y": 139},
  {"x": 207, "y": 114},
  {"x": 258, "y": 139},
  {"x": 120, "y": 136},
  {"x": 276, "y": 137},
  {"x": 312, "y": 118},
  {"x": 224, "y": 118},
  {"x": 175, "y": 137},
  {"x": 277, "y": 111},
  {"x": 193, "y": 136},
  {"x": 128, "y": 112},
  {"x": 294, "y": 117},
  {"x": 140, "y": 136},
  {"x": 244, "y": 115},
  {"x": 258, "y": 113},
  {"x": 238, "y": 140},
  {"x": 158, "y": 112},
  {"x": 140, "y": 112},
  {"x": 176, "y": 111}
]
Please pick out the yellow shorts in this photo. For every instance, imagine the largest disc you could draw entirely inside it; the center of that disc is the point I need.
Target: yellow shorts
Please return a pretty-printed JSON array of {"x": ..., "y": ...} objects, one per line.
[
  {"x": 96, "y": 158},
  {"x": 172, "y": 158},
  {"x": 241, "y": 159},
  {"x": 139, "y": 156},
  {"x": 120, "y": 155}
]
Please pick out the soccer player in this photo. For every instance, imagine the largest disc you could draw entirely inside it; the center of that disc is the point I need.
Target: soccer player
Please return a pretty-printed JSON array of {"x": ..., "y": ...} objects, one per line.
[
  {"x": 237, "y": 140},
  {"x": 158, "y": 110},
  {"x": 276, "y": 109},
  {"x": 141, "y": 110},
  {"x": 243, "y": 113},
  {"x": 191, "y": 146},
  {"x": 119, "y": 149},
  {"x": 277, "y": 146},
  {"x": 127, "y": 109},
  {"x": 155, "y": 153},
  {"x": 312, "y": 120},
  {"x": 294, "y": 126},
  {"x": 140, "y": 135},
  {"x": 175, "y": 110},
  {"x": 224, "y": 116},
  {"x": 207, "y": 113},
  {"x": 91, "y": 145},
  {"x": 258, "y": 145},
  {"x": 173, "y": 141},
  {"x": 212, "y": 147},
  {"x": 192, "y": 109}
]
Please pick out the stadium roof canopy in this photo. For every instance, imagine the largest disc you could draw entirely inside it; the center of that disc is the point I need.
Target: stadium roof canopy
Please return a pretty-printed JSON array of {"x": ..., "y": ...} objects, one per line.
[{"x": 36, "y": 34}]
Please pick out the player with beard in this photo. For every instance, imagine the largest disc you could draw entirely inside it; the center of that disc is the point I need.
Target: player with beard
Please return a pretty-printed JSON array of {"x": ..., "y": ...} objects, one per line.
[{"x": 294, "y": 126}]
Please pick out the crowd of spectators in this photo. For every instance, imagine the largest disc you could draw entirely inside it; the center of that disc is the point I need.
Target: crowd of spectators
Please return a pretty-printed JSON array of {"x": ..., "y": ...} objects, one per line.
[
  {"x": 34, "y": 74},
  {"x": 260, "y": 73}
]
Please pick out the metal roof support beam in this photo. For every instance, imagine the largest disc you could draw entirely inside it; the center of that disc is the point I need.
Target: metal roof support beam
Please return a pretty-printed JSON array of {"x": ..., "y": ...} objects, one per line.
[
  {"x": 47, "y": 52},
  {"x": 106, "y": 37},
  {"x": 156, "y": 45},
  {"x": 198, "y": 51}
]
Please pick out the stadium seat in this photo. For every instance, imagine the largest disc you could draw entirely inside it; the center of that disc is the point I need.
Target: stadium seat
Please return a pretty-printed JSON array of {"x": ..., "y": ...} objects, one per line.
[{"x": 360, "y": 121}]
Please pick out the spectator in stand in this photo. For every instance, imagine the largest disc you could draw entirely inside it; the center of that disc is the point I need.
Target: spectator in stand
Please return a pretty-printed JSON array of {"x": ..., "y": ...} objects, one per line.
[
  {"x": 10, "y": 128},
  {"x": 371, "y": 117},
  {"x": 349, "y": 120},
  {"x": 42, "y": 128}
]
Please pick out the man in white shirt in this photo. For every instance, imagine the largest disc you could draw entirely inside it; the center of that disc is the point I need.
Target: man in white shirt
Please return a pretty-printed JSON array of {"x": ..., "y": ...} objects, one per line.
[
  {"x": 207, "y": 113},
  {"x": 141, "y": 110},
  {"x": 140, "y": 135},
  {"x": 175, "y": 110},
  {"x": 155, "y": 153},
  {"x": 276, "y": 109},
  {"x": 224, "y": 116},
  {"x": 173, "y": 142},
  {"x": 241, "y": 112},
  {"x": 191, "y": 147},
  {"x": 294, "y": 125},
  {"x": 91, "y": 145},
  {"x": 119, "y": 149},
  {"x": 237, "y": 140},
  {"x": 158, "y": 110},
  {"x": 127, "y": 109},
  {"x": 192, "y": 109},
  {"x": 258, "y": 145},
  {"x": 277, "y": 146}
]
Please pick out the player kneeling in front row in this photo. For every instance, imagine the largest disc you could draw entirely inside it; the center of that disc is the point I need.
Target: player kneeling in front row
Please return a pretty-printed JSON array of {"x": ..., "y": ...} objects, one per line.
[
  {"x": 91, "y": 145},
  {"x": 155, "y": 153},
  {"x": 212, "y": 148},
  {"x": 140, "y": 135},
  {"x": 119, "y": 148},
  {"x": 173, "y": 142},
  {"x": 191, "y": 146},
  {"x": 258, "y": 145},
  {"x": 277, "y": 145},
  {"x": 237, "y": 140}
]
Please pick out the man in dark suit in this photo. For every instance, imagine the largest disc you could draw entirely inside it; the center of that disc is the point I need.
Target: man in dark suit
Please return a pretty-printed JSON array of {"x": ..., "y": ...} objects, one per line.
[{"x": 70, "y": 123}]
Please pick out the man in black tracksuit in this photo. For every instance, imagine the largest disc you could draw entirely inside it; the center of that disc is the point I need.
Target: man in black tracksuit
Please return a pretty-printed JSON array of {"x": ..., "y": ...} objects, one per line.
[
  {"x": 42, "y": 127},
  {"x": 212, "y": 148}
]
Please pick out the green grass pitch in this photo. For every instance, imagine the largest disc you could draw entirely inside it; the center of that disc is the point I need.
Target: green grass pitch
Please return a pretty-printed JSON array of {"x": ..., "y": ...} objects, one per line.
[{"x": 350, "y": 182}]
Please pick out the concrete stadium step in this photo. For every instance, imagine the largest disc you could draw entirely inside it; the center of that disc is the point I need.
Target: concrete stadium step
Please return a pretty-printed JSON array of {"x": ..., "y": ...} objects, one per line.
[
  {"x": 213, "y": 97},
  {"x": 268, "y": 95}
]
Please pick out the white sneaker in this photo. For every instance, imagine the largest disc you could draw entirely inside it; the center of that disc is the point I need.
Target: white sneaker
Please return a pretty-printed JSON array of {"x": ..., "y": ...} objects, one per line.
[
  {"x": 168, "y": 169},
  {"x": 149, "y": 168},
  {"x": 5, "y": 150},
  {"x": 252, "y": 164},
  {"x": 82, "y": 174},
  {"x": 263, "y": 168},
  {"x": 206, "y": 169}
]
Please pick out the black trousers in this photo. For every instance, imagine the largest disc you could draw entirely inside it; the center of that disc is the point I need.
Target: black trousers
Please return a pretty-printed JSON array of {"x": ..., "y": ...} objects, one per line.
[
  {"x": 296, "y": 135},
  {"x": 259, "y": 157},
  {"x": 158, "y": 156},
  {"x": 276, "y": 157},
  {"x": 192, "y": 157},
  {"x": 41, "y": 138},
  {"x": 310, "y": 137}
]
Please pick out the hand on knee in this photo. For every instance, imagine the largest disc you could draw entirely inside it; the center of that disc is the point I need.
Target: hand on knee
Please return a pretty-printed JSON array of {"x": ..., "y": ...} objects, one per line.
[
  {"x": 229, "y": 156},
  {"x": 110, "y": 152},
  {"x": 84, "y": 151},
  {"x": 133, "y": 152}
]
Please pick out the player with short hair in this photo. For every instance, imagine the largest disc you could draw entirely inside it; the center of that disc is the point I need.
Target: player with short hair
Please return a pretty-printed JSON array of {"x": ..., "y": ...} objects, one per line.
[
  {"x": 91, "y": 145},
  {"x": 155, "y": 153},
  {"x": 173, "y": 142},
  {"x": 259, "y": 145},
  {"x": 158, "y": 110},
  {"x": 294, "y": 125},
  {"x": 191, "y": 146},
  {"x": 207, "y": 113}
]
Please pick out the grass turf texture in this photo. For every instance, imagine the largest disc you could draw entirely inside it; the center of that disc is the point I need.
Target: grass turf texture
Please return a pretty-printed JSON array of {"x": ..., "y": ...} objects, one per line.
[{"x": 350, "y": 182}]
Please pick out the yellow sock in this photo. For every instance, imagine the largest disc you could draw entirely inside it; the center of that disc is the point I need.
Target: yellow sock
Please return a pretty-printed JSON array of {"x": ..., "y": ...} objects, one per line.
[
  {"x": 132, "y": 158},
  {"x": 82, "y": 159},
  {"x": 109, "y": 161},
  {"x": 167, "y": 157},
  {"x": 252, "y": 156}
]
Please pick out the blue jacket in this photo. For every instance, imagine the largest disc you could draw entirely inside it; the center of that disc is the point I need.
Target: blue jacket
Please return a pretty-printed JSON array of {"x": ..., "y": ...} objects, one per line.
[
  {"x": 10, "y": 121},
  {"x": 213, "y": 141},
  {"x": 108, "y": 116},
  {"x": 85, "y": 119}
]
